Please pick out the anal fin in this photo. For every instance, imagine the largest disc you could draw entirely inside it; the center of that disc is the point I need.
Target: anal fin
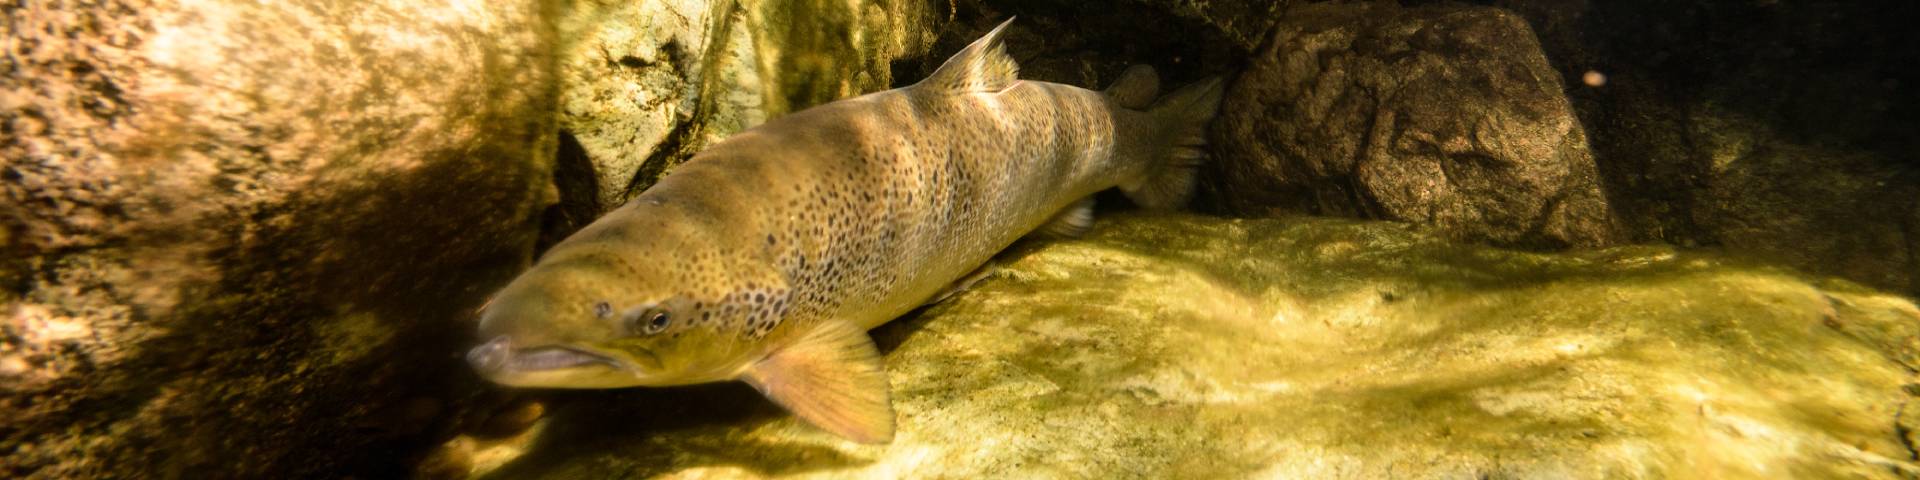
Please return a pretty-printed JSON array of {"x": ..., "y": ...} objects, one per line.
[{"x": 831, "y": 377}]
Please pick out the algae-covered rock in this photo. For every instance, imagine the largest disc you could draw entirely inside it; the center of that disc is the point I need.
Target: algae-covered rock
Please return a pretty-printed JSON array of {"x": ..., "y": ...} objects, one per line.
[
  {"x": 1189, "y": 347},
  {"x": 649, "y": 83},
  {"x": 1445, "y": 116},
  {"x": 240, "y": 238}
]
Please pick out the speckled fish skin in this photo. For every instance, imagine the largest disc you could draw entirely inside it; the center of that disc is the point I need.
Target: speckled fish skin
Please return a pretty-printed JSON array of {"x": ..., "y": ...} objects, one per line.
[{"x": 851, "y": 213}]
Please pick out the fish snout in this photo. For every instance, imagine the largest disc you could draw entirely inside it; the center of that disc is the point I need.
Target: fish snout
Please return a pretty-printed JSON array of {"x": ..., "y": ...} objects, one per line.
[{"x": 492, "y": 356}]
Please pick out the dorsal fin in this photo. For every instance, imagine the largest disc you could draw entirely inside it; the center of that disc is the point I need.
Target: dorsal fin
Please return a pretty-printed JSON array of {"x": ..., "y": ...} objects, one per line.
[{"x": 981, "y": 67}]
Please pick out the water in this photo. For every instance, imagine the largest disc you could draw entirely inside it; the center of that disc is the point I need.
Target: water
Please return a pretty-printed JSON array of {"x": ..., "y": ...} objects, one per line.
[{"x": 1521, "y": 238}]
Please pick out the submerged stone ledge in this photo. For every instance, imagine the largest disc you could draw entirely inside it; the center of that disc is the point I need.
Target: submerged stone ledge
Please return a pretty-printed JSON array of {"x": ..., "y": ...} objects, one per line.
[{"x": 1195, "y": 347}]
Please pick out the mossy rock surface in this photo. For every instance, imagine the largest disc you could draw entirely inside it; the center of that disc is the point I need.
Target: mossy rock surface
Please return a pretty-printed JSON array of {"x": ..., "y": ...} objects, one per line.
[{"x": 1195, "y": 347}]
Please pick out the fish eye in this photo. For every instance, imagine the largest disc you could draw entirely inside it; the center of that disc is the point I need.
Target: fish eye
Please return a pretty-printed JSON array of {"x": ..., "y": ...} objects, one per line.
[
  {"x": 602, "y": 309},
  {"x": 649, "y": 323},
  {"x": 658, "y": 322}
]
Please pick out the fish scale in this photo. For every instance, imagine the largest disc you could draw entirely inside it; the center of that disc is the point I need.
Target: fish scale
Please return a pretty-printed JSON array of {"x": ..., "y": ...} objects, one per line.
[{"x": 767, "y": 256}]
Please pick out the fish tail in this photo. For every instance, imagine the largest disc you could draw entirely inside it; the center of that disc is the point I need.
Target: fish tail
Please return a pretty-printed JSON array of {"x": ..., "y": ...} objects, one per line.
[{"x": 1181, "y": 119}]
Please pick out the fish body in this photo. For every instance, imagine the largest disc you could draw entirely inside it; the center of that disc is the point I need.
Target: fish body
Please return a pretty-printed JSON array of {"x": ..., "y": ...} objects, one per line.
[{"x": 766, "y": 257}]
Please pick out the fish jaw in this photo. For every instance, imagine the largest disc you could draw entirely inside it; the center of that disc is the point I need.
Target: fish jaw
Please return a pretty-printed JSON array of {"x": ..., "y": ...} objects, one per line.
[{"x": 552, "y": 366}]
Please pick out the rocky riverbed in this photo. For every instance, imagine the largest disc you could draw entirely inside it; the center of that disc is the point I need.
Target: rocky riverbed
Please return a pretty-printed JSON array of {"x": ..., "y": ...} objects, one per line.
[{"x": 1196, "y": 347}]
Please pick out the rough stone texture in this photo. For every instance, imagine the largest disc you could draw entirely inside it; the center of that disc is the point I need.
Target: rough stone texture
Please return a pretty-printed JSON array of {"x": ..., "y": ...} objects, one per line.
[
  {"x": 1443, "y": 116},
  {"x": 1767, "y": 128},
  {"x": 241, "y": 238},
  {"x": 649, "y": 83},
  {"x": 1827, "y": 210},
  {"x": 1188, "y": 347}
]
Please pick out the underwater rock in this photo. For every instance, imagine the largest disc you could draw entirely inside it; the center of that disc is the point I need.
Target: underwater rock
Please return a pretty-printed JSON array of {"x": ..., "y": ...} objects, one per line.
[
  {"x": 242, "y": 237},
  {"x": 1192, "y": 347},
  {"x": 512, "y": 420},
  {"x": 647, "y": 84},
  {"x": 1826, "y": 210},
  {"x": 1766, "y": 128},
  {"x": 452, "y": 461},
  {"x": 1442, "y": 116}
]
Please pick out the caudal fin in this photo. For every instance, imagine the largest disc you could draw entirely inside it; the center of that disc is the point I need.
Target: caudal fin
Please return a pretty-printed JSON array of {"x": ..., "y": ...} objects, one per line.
[{"x": 1181, "y": 118}]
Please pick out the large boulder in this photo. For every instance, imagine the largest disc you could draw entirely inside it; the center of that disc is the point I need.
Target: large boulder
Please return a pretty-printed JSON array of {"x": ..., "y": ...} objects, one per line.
[
  {"x": 649, "y": 83},
  {"x": 1442, "y": 116},
  {"x": 1171, "y": 346},
  {"x": 241, "y": 238}
]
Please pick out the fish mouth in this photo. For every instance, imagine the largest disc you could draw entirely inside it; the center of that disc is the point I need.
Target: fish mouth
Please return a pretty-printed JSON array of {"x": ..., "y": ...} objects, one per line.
[
  {"x": 555, "y": 358},
  {"x": 499, "y": 356},
  {"x": 562, "y": 366}
]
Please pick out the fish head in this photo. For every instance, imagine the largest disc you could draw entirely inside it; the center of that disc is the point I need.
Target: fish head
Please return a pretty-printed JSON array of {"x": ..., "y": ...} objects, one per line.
[{"x": 592, "y": 323}]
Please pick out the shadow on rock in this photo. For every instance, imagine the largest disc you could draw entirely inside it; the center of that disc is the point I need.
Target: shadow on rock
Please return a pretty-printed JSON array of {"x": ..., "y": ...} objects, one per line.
[{"x": 628, "y": 432}]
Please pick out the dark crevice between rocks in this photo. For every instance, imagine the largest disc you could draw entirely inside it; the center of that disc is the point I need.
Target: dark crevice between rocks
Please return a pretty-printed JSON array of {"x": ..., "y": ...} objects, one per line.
[
  {"x": 574, "y": 176},
  {"x": 1903, "y": 430},
  {"x": 1362, "y": 201},
  {"x": 1351, "y": 193},
  {"x": 1542, "y": 221},
  {"x": 674, "y": 148},
  {"x": 1066, "y": 42}
]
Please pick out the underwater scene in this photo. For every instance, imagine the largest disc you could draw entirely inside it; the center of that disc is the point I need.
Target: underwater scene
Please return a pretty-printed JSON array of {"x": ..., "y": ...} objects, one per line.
[{"x": 880, "y": 239}]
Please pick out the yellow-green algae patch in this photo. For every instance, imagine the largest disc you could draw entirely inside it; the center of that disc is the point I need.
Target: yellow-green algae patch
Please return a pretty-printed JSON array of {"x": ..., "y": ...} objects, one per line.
[{"x": 1194, "y": 347}]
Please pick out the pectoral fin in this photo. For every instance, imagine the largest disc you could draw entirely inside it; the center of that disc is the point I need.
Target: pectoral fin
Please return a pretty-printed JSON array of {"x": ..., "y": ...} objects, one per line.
[{"x": 830, "y": 377}]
